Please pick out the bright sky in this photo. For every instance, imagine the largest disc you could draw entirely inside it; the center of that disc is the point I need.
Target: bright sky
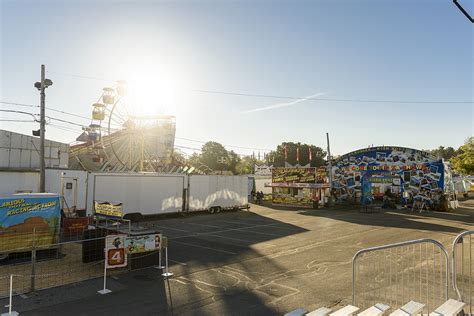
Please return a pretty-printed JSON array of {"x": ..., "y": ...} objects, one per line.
[{"x": 334, "y": 49}]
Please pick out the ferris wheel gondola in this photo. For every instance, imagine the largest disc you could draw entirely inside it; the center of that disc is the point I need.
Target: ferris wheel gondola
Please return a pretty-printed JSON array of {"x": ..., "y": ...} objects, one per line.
[{"x": 130, "y": 141}]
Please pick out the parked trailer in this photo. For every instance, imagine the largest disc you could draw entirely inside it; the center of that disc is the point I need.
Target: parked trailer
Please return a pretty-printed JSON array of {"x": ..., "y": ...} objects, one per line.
[
  {"x": 152, "y": 193},
  {"x": 214, "y": 193},
  {"x": 145, "y": 193},
  {"x": 71, "y": 185}
]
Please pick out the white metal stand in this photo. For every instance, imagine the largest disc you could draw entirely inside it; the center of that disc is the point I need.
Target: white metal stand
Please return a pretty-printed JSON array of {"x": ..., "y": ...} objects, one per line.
[
  {"x": 10, "y": 305},
  {"x": 166, "y": 274},
  {"x": 105, "y": 290},
  {"x": 160, "y": 266}
]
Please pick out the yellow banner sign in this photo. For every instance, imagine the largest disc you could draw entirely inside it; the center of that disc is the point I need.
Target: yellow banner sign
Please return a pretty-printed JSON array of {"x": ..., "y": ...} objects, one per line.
[{"x": 108, "y": 209}]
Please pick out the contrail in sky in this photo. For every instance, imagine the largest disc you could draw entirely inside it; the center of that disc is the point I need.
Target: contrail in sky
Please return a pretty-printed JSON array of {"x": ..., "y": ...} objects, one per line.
[{"x": 285, "y": 104}]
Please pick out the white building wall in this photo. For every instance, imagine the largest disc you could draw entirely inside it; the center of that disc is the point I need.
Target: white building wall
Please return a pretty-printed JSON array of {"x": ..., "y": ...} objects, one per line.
[
  {"x": 22, "y": 151},
  {"x": 16, "y": 182}
]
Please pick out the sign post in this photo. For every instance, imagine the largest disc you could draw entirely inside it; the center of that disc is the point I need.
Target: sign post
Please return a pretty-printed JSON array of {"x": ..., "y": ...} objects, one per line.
[
  {"x": 114, "y": 256},
  {"x": 164, "y": 244},
  {"x": 105, "y": 290},
  {"x": 10, "y": 300}
]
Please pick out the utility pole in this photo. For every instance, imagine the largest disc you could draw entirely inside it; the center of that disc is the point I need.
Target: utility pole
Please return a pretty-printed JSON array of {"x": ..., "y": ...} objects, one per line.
[
  {"x": 41, "y": 86},
  {"x": 330, "y": 169},
  {"x": 42, "y": 130}
]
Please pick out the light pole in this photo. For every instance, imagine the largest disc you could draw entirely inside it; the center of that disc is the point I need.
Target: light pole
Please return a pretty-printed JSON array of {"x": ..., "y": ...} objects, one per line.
[{"x": 41, "y": 86}]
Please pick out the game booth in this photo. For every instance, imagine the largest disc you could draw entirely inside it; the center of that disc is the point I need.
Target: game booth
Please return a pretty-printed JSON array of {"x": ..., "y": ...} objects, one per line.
[
  {"x": 303, "y": 187},
  {"x": 402, "y": 174}
]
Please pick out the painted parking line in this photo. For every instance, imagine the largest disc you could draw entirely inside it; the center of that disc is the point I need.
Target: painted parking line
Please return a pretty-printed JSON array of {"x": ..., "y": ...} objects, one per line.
[
  {"x": 266, "y": 234},
  {"x": 204, "y": 225},
  {"x": 241, "y": 222},
  {"x": 180, "y": 263},
  {"x": 243, "y": 240},
  {"x": 177, "y": 229},
  {"x": 204, "y": 247}
]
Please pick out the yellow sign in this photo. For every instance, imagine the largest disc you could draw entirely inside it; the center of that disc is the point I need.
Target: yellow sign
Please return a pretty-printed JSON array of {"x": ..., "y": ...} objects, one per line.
[{"x": 108, "y": 209}]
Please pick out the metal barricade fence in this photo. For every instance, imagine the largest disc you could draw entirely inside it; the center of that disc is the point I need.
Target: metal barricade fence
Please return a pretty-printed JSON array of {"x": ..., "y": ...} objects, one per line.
[
  {"x": 396, "y": 273},
  {"x": 61, "y": 263},
  {"x": 462, "y": 269}
]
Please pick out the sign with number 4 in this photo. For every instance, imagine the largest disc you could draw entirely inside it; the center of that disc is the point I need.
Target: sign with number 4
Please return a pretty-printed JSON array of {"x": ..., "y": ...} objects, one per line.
[{"x": 115, "y": 251}]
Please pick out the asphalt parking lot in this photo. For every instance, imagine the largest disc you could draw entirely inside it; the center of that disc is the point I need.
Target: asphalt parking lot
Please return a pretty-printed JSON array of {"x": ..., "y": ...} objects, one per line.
[{"x": 264, "y": 261}]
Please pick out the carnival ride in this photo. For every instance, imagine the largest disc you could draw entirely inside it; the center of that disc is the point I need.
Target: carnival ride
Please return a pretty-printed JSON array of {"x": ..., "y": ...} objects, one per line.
[{"x": 120, "y": 139}]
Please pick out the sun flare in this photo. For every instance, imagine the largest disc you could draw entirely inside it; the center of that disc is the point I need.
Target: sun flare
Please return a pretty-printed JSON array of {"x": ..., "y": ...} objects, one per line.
[{"x": 152, "y": 93}]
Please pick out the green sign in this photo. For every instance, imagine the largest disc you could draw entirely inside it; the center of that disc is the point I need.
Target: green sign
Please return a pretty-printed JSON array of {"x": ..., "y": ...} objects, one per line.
[{"x": 381, "y": 180}]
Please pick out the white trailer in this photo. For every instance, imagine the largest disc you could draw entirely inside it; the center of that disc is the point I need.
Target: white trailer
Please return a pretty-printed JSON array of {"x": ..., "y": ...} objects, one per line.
[
  {"x": 145, "y": 193},
  {"x": 71, "y": 185},
  {"x": 216, "y": 192}
]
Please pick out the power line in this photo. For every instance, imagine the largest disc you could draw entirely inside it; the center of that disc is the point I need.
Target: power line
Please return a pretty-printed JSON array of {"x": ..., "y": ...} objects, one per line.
[
  {"x": 48, "y": 108},
  {"x": 68, "y": 113},
  {"x": 64, "y": 121},
  {"x": 79, "y": 76},
  {"x": 64, "y": 128},
  {"x": 290, "y": 97},
  {"x": 20, "y": 104},
  {"x": 225, "y": 145},
  {"x": 20, "y": 112},
  {"x": 20, "y": 121}
]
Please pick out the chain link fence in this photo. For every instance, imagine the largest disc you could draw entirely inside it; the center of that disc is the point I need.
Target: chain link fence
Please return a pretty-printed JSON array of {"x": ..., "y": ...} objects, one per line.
[{"x": 73, "y": 256}]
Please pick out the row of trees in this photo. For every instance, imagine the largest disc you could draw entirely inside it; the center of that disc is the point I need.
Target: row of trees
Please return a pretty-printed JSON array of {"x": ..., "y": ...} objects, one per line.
[
  {"x": 462, "y": 159},
  {"x": 218, "y": 158}
]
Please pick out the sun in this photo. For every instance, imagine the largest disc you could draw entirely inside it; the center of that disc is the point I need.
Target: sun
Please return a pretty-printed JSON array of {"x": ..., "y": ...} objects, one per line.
[{"x": 152, "y": 93}]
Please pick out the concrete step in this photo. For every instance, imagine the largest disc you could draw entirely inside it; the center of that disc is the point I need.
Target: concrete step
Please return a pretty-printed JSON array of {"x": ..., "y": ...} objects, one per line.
[
  {"x": 297, "y": 312},
  {"x": 449, "y": 308},
  {"x": 409, "y": 309},
  {"x": 349, "y": 310},
  {"x": 323, "y": 311},
  {"x": 376, "y": 310}
]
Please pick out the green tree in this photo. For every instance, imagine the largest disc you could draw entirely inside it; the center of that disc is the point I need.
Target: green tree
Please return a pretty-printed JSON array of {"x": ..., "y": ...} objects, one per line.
[
  {"x": 277, "y": 157},
  {"x": 463, "y": 161},
  {"x": 443, "y": 152},
  {"x": 211, "y": 152},
  {"x": 245, "y": 166}
]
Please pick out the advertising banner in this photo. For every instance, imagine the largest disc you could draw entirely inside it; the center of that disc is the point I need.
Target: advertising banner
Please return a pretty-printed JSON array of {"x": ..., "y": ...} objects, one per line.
[
  {"x": 322, "y": 175},
  {"x": 115, "y": 251},
  {"x": 21, "y": 215},
  {"x": 286, "y": 197},
  {"x": 415, "y": 172},
  {"x": 294, "y": 175},
  {"x": 143, "y": 243},
  {"x": 108, "y": 209}
]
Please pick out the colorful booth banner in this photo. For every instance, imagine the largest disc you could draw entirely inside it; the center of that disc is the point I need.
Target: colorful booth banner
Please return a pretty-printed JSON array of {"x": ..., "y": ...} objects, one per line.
[
  {"x": 108, "y": 209},
  {"x": 405, "y": 171},
  {"x": 298, "y": 185},
  {"x": 293, "y": 175},
  {"x": 25, "y": 216},
  {"x": 142, "y": 243}
]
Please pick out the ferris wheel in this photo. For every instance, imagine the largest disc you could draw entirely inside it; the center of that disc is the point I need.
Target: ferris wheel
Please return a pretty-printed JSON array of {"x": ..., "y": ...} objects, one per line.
[{"x": 130, "y": 141}]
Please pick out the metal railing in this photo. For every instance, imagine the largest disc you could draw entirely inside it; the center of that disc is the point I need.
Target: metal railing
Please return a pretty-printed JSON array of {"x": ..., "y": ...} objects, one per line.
[
  {"x": 397, "y": 273},
  {"x": 463, "y": 278}
]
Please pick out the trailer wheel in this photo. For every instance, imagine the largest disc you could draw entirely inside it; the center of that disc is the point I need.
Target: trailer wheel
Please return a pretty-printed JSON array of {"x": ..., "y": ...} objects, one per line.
[
  {"x": 3, "y": 256},
  {"x": 211, "y": 210},
  {"x": 218, "y": 209}
]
